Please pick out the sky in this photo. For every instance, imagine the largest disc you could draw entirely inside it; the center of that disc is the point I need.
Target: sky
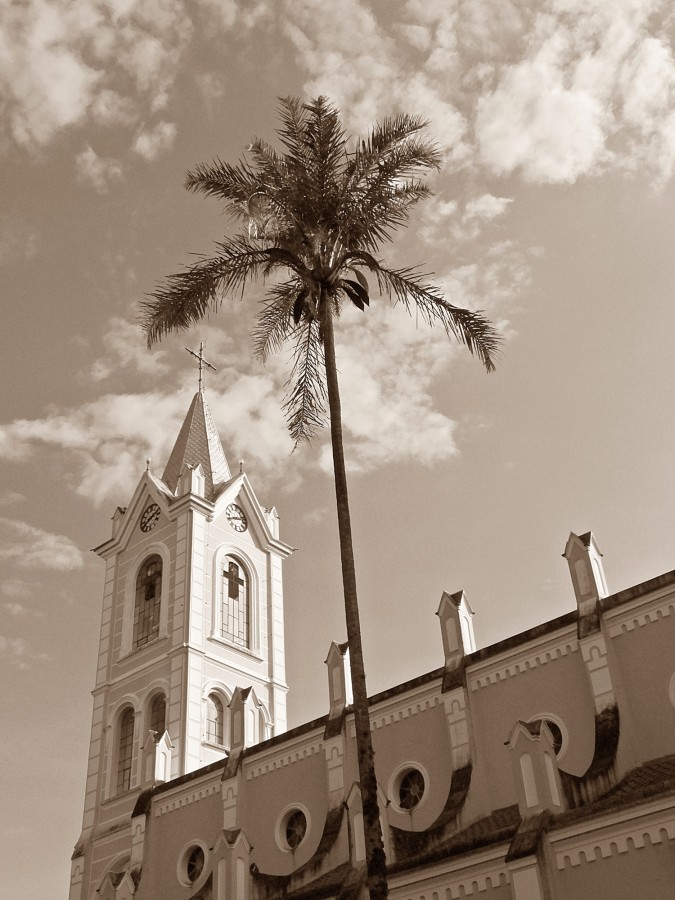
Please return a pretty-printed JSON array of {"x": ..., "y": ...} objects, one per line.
[{"x": 554, "y": 212}]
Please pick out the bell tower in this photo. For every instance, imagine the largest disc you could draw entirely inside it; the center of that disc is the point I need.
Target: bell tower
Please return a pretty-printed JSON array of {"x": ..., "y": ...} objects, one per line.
[{"x": 192, "y": 610}]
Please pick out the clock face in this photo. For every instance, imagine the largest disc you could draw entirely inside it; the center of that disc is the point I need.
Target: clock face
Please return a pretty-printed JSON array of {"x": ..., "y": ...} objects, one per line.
[
  {"x": 236, "y": 517},
  {"x": 150, "y": 517}
]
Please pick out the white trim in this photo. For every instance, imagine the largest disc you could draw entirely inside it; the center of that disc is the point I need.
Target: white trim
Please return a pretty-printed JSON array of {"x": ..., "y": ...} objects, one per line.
[{"x": 671, "y": 689}]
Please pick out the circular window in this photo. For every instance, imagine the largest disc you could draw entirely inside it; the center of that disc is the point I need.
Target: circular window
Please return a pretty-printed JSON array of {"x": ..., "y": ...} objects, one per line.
[
  {"x": 191, "y": 865},
  {"x": 194, "y": 865},
  {"x": 410, "y": 789},
  {"x": 295, "y": 828}
]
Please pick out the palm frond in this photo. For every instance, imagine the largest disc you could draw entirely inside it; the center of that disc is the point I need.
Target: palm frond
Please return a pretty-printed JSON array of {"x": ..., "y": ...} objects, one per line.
[
  {"x": 305, "y": 403},
  {"x": 409, "y": 287},
  {"x": 186, "y": 297},
  {"x": 274, "y": 322}
]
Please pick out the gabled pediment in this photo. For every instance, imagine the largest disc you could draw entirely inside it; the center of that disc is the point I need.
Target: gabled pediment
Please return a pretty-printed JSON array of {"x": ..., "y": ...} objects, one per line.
[
  {"x": 149, "y": 491},
  {"x": 260, "y": 521}
]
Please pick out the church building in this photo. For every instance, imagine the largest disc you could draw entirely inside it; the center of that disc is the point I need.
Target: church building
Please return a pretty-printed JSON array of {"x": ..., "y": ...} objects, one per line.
[{"x": 539, "y": 768}]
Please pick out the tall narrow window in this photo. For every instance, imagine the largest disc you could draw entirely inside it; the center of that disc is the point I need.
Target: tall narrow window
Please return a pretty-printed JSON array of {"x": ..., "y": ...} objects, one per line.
[
  {"x": 148, "y": 600},
  {"x": 158, "y": 715},
  {"x": 235, "y": 603},
  {"x": 125, "y": 749},
  {"x": 215, "y": 720}
]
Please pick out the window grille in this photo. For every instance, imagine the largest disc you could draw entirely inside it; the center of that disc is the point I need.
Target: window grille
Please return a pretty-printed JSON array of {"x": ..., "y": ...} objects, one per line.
[
  {"x": 158, "y": 716},
  {"x": 235, "y": 603},
  {"x": 215, "y": 720},
  {"x": 148, "y": 601},
  {"x": 125, "y": 751}
]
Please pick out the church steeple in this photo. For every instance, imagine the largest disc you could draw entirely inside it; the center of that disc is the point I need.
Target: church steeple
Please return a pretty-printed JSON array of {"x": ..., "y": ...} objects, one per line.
[
  {"x": 198, "y": 443},
  {"x": 192, "y": 619}
]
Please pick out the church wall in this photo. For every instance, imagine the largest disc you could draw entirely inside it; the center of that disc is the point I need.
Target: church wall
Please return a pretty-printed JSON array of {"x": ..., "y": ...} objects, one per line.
[
  {"x": 105, "y": 851},
  {"x": 646, "y": 872},
  {"x": 415, "y": 736},
  {"x": 535, "y": 682},
  {"x": 268, "y": 794},
  {"x": 486, "y": 880},
  {"x": 179, "y": 818},
  {"x": 647, "y": 665}
]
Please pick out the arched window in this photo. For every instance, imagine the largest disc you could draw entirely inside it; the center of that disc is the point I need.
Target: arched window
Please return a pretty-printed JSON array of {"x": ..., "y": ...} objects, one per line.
[
  {"x": 158, "y": 715},
  {"x": 235, "y": 625},
  {"x": 215, "y": 720},
  {"x": 148, "y": 600},
  {"x": 125, "y": 750}
]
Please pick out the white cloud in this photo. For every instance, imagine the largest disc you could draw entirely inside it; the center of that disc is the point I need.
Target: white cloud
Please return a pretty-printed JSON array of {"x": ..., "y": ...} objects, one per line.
[
  {"x": 14, "y": 649},
  {"x": 132, "y": 51},
  {"x": 16, "y": 609},
  {"x": 533, "y": 122},
  {"x": 15, "y": 588},
  {"x": 29, "y": 547},
  {"x": 388, "y": 366},
  {"x": 152, "y": 143},
  {"x": 594, "y": 91},
  {"x": 125, "y": 351},
  {"x": 18, "y": 242},
  {"x": 551, "y": 91},
  {"x": 95, "y": 170},
  {"x": 9, "y": 498},
  {"x": 45, "y": 83},
  {"x": 443, "y": 219},
  {"x": 111, "y": 108},
  {"x": 485, "y": 208}
]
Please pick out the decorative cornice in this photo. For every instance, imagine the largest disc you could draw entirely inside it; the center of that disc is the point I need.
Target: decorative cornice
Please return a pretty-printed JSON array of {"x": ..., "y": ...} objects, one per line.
[
  {"x": 279, "y": 762},
  {"x": 521, "y": 661},
  {"x": 622, "y": 838},
  {"x": 185, "y": 799},
  {"x": 628, "y": 620}
]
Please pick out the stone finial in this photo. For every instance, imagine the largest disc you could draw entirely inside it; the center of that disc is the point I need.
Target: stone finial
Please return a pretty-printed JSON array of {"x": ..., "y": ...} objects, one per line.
[
  {"x": 118, "y": 519},
  {"x": 157, "y": 752},
  {"x": 456, "y": 616},
  {"x": 339, "y": 677},
  {"x": 588, "y": 578},
  {"x": 246, "y": 720},
  {"x": 193, "y": 481},
  {"x": 535, "y": 768}
]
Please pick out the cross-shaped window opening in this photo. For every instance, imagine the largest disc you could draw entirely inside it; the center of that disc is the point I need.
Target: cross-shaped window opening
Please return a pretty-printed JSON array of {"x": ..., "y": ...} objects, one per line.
[{"x": 235, "y": 603}]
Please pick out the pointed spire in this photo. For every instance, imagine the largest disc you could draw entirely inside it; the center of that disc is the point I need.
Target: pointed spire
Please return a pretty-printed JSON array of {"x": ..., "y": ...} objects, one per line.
[{"x": 198, "y": 442}]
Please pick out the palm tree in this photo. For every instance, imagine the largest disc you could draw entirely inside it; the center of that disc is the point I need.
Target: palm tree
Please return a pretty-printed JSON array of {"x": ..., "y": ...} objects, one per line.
[{"x": 313, "y": 215}]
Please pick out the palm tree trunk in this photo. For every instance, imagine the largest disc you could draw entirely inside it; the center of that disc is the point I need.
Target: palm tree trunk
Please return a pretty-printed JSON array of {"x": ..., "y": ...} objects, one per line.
[{"x": 375, "y": 858}]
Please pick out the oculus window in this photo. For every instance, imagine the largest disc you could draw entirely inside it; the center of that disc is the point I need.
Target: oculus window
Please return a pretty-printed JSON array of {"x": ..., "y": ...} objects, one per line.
[
  {"x": 295, "y": 828},
  {"x": 410, "y": 789}
]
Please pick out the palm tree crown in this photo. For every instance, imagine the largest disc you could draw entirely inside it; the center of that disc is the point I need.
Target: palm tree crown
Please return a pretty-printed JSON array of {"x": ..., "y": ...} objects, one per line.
[{"x": 315, "y": 214}]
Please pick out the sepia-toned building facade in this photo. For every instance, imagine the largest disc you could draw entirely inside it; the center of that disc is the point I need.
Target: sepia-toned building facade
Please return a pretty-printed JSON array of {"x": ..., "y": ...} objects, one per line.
[{"x": 539, "y": 768}]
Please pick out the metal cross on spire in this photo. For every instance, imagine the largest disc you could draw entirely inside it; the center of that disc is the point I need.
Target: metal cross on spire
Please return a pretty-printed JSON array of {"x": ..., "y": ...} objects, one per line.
[{"x": 202, "y": 362}]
